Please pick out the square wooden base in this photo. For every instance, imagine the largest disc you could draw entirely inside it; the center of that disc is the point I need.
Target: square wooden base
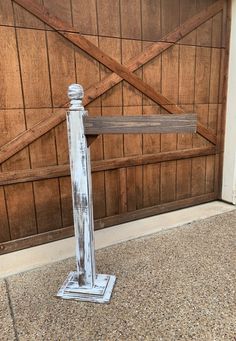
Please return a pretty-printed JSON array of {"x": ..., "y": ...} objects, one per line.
[{"x": 100, "y": 293}]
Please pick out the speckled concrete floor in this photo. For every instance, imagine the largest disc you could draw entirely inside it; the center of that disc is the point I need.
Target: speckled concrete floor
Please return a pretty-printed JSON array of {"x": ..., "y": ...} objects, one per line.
[{"x": 175, "y": 285}]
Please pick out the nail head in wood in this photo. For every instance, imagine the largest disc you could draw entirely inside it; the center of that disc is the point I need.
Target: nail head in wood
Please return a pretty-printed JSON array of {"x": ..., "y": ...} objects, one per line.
[{"x": 76, "y": 94}]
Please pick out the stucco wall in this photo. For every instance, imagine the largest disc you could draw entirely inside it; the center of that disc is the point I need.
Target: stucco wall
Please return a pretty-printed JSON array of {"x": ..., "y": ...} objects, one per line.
[{"x": 229, "y": 170}]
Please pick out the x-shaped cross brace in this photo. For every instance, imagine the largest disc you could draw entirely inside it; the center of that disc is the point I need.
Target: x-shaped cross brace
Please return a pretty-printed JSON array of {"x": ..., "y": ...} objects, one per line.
[{"x": 65, "y": 30}]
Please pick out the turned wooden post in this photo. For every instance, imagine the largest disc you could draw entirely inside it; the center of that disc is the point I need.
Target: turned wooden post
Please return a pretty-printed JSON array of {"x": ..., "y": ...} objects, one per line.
[
  {"x": 83, "y": 284},
  {"x": 81, "y": 188}
]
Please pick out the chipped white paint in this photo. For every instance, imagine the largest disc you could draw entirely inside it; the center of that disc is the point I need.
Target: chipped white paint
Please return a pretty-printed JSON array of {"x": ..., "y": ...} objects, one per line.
[
  {"x": 83, "y": 284},
  {"x": 76, "y": 94}
]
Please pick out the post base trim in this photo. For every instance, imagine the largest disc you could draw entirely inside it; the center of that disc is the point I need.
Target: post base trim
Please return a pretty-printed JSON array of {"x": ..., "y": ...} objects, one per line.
[{"x": 100, "y": 293}]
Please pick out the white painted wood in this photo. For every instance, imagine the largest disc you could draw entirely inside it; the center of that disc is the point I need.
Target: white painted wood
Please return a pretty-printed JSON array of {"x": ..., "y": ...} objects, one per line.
[
  {"x": 83, "y": 284},
  {"x": 81, "y": 192},
  {"x": 229, "y": 166}
]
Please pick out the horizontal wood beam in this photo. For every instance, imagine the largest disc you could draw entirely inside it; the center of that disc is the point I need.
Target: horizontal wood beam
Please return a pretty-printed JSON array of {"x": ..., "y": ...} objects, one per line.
[
  {"x": 65, "y": 232},
  {"x": 185, "y": 123},
  {"x": 153, "y": 210},
  {"x": 13, "y": 177},
  {"x": 41, "y": 128},
  {"x": 151, "y": 158}
]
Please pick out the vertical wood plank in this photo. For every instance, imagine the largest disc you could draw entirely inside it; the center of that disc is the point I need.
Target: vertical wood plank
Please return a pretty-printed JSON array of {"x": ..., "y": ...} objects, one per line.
[
  {"x": 113, "y": 143},
  {"x": 46, "y": 192},
  {"x": 112, "y": 192},
  {"x": 184, "y": 167},
  {"x": 36, "y": 81},
  {"x": 86, "y": 23},
  {"x": 131, "y": 96},
  {"x": 210, "y": 173},
  {"x": 202, "y": 75},
  {"x": 212, "y": 118},
  {"x": 13, "y": 123},
  {"x": 217, "y": 30},
  {"x": 199, "y": 163},
  {"x": 10, "y": 86},
  {"x": 19, "y": 198},
  {"x": 42, "y": 151},
  {"x": 198, "y": 176},
  {"x": 66, "y": 201},
  {"x": 151, "y": 142},
  {"x": 170, "y": 80},
  {"x": 87, "y": 70},
  {"x": 204, "y": 30},
  {"x": 122, "y": 190},
  {"x": 61, "y": 140},
  {"x": 215, "y": 75},
  {"x": 99, "y": 198},
  {"x": 6, "y": 13},
  {"x": 47, "y": 203},
  {"x": 112, "y": 46},
  {"x": 62, "y": 143},
  {"x": 96, "y": 148},
  {"x": 4, "y": 226},
  {"x": 151, "y": 185},
  {"x": 20, "y": 206},
  {"x": 25, "y": 19},
  {"x": 62, "y": 67},
  {"x": 151, "y": 20},
  {"x": 186, "y": 74},
  {"x": 131, "y": 188},
  {"x": 170, "y": 15},
  {"x": 152, "y": 75},
  {"x": 108, "y": 12},
  {"x": 130, "y": 19},
  {"x": 168, "y": 181},
  {"x": 212, "y": 160},
  {"x": 202, "y": 111},
  {"x": 168, "y": 169},
  {"x": 132, "y": 142},
  {"x": 134, "y": 188},
  {"x": 170, "y": 73},
  {"x": 61, "y": 8},
  {"x": 113, "y": 148},
  {"x": 187, "y": 10}
]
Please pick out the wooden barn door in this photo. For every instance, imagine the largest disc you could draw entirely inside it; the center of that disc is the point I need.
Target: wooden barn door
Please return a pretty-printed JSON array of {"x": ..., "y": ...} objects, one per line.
[{"x": 137, "y": 57}]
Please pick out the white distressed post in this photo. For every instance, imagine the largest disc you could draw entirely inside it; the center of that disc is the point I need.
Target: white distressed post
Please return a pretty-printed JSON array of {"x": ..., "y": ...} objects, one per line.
[{"x": 83, "y": 284}]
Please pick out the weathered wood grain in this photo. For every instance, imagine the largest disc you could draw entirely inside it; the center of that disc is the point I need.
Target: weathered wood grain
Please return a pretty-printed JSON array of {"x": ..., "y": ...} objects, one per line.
[
  {"x": 18, "y": 176},
  {"x": 34, "y": 58},
  {"x": 66, "y": 232},
  {"x": 21, "y": 221},
  {"x": 10, "y": 84},
  {"x": 6, "y": 13},
  {"x": 140, "y": 124},
  {"x": 97, "y": 53},
  {"x": 184, "y": 167},
  {"x": 130, "y": 13},
  {"x": 89, "y": 23},
  {"x": 30, "y": 135}
]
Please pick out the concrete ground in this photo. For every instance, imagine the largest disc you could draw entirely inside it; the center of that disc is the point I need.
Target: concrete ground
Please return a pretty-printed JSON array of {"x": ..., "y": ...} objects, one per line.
[{"x": 178, "y": 284}]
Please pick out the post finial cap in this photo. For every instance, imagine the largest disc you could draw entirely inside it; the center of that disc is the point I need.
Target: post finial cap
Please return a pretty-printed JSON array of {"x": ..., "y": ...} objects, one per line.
[{"x": 76, "y": 94}]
